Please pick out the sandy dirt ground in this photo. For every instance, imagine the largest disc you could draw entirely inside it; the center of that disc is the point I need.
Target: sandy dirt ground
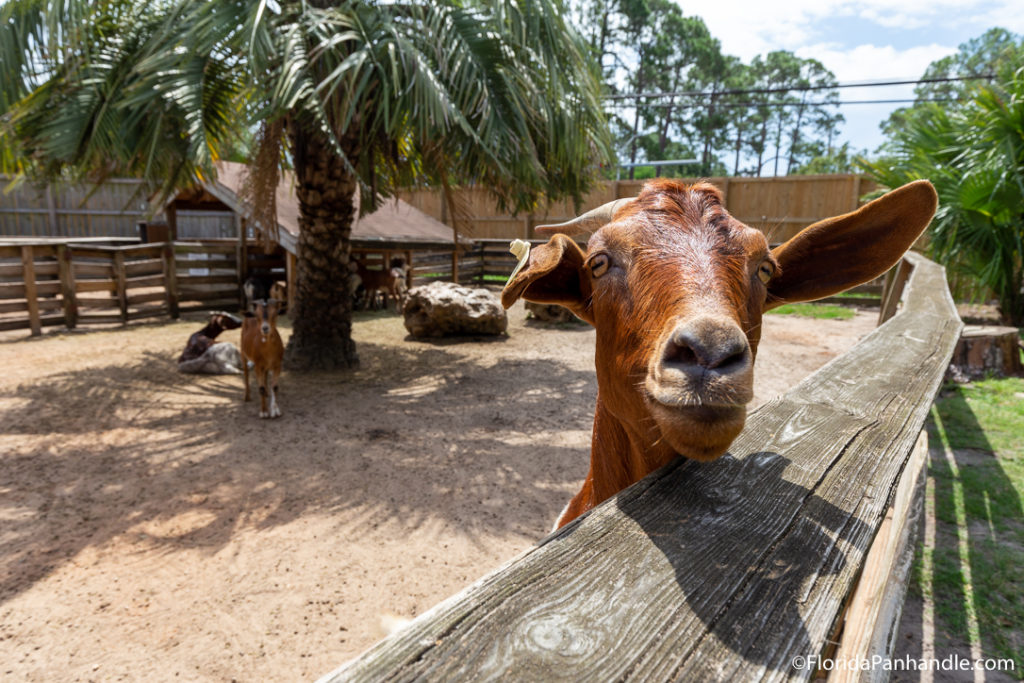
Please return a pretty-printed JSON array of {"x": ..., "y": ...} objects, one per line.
[{"x": 152, "y": 527}]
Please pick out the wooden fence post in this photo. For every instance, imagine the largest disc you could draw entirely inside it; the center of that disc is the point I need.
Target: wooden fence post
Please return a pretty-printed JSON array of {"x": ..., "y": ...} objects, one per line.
[
  {"x": 170, "y": 279},
  {"x": 291, "y": 270},
  {"x": 455, "y": 264},
  {"x": 122, "y": 285},
  {"x": 28, "y": 266},
  {"x": 67, "y": 285},
  {"x": 895, "y": 280}
]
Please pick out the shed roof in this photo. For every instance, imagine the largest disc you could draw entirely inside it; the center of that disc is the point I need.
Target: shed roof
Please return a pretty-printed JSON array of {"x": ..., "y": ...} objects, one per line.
[{"x": 394, "y": 221}]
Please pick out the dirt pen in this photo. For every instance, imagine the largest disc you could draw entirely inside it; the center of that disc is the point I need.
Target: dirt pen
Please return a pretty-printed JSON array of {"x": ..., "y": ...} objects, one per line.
[{"x": 154, "y": 527}]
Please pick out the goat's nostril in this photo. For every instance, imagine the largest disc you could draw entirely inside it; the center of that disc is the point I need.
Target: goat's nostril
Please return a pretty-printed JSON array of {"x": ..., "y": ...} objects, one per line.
[
  {"x": 681, "y": 349},
  {"x": 709, "y": 346}
]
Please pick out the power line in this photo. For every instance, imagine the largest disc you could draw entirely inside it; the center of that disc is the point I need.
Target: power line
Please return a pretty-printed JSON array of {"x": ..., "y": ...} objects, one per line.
[
  {"x": 723, "y": 105},
  {"x": 798, "y": 88}
]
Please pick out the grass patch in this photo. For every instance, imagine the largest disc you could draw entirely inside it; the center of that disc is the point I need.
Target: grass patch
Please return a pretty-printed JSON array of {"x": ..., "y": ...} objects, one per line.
[
  {"x": 857, "y": 295},
  {"x": 975, "y": 573},
  {"x": 823, "y": 311}
]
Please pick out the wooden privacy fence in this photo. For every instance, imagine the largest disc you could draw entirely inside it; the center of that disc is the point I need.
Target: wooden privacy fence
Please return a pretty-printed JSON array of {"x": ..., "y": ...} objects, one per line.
[
  {"x": 65, "y": 210},
  {"x": 779, "y": 206},
  {"x": 731, "y": 570}
]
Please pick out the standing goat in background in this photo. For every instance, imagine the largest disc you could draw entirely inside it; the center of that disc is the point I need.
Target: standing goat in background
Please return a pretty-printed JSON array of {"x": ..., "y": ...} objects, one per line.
[{"x": 262, "y": 346}]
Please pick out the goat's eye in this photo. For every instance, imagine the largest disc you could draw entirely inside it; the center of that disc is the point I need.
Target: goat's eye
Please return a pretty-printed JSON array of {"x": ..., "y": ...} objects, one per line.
[
  {"x": 765, "y": 272},
  {"x": 599, "y": 265}
]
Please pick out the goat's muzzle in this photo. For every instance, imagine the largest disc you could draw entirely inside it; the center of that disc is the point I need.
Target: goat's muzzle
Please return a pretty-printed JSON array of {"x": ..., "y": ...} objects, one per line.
[{"x": 698, "y": 384}]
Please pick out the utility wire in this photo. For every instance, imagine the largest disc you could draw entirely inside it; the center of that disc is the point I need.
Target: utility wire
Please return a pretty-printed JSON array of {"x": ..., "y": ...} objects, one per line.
[
  {"x": 798, "y": 88},
  {"x": 722, "y": 105}
]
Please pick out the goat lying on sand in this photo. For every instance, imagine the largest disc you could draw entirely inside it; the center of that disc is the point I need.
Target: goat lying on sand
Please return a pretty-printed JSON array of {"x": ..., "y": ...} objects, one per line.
[
  {"x": 262, "y": 346},
  {"x": 676, "y": 287},
  {"x": 202, "y": 355}
]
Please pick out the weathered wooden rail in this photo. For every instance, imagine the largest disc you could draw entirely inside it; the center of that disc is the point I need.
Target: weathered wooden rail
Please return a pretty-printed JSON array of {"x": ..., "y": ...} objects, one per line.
[
  {"x": 48, "y": 283},
  {"x": 728, "y": 570}
]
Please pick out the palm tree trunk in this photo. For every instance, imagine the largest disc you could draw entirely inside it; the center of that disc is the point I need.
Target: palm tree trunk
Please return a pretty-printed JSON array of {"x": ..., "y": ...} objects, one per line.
[{"x": 322, "y": 320}]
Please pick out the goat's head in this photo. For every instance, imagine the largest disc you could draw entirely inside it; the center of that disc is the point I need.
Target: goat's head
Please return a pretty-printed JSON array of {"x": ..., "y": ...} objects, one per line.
[
  {"x": 676, "y": 287},
  {"x": 266, "y": 312},
  {"x": 225, "y": 320}
]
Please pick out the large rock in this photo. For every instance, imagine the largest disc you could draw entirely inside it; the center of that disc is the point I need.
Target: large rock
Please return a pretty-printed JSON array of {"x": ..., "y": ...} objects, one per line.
[
  {"x": 444, "y": 308},
  {"x": 550, "y": 313}
]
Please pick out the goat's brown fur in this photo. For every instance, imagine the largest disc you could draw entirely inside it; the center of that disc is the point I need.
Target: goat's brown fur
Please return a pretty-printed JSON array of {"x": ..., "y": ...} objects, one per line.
[
  {"x": 387, "y": 282},
  {"x": 676, "y": 287},
  {"x": 261, "y": 344}
]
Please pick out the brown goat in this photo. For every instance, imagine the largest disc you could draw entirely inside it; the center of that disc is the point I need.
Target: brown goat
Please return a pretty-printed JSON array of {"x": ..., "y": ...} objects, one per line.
[
  {"x": 261, "y": 344},
  {"x": 387, "y": 282},
  {"x": 675, "y": 287}
]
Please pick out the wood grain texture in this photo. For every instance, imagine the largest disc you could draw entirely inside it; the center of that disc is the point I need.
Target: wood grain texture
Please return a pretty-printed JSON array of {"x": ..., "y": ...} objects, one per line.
[
  {"x": 875, "y": 607},
  {"x": 28, "y": 264},
  {"x": 717, "y": 571}
]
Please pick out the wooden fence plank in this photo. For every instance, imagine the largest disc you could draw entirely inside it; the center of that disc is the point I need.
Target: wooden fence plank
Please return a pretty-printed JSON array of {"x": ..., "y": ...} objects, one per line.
[
  {"x": 28, "y": 268},
  {"x": 145, "y": 267},
  {"x": 67, "y": 286},
  {"x": 708, "y": 571},
  {"x": 93, "y": 270},
  {"x": 84, "y": 286},
  {"x": 170, "y": 279},
  {"x": 872, "y": 618},
  {"x": 895, "y": 281},
  {"x": 147, "y": 281},
  {"x": 14, "y": 306},
  {"x": 122, "y": 285},
  {"x": 136, "y": 299}
]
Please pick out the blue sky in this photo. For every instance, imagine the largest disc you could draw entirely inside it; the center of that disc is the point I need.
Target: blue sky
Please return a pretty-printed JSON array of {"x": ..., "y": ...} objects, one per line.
[{"x": 858, "y": 40}]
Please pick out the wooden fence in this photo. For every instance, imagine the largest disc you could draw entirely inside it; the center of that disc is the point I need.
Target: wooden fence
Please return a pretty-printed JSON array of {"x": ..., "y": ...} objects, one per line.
[
  {"x": 779, "y": 206},
  {"x": 797, "y": 545},
  {"x": 44, "y": 284},
  {"x": 65, "y": 210}
]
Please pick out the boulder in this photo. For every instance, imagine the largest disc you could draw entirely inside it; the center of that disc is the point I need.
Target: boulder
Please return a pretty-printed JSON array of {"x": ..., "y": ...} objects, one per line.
[
  {"x": 446, "y": 309},
  {"x": 550, "y": 313}
]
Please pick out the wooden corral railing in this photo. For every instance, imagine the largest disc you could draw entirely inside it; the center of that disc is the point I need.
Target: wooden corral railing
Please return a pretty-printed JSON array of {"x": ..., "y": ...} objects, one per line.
[
  {"x": 61, "y": 283},
  {"x": 729, "y": 570}
]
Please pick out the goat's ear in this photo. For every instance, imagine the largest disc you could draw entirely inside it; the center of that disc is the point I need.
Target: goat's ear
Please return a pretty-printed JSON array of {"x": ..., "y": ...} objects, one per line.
[
  {"x": 552, "y": 276},
  {"x": 842, "y": 252}
]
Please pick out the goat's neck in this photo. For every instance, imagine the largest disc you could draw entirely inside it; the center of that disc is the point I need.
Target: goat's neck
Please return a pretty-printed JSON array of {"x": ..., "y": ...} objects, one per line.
[
  {"x": 621, "y": 455},
  {"x": 211, "y": 330}
]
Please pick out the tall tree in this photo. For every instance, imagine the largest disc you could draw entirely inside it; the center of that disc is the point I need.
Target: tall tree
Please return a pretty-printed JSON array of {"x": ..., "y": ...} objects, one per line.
[
  {"x": 363, "y": 97},
  {"x": 973, "y": 153},
  {"x": 997, "y": 52}
]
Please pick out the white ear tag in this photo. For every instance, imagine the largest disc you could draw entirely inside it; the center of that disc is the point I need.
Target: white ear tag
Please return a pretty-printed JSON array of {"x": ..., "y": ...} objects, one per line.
[{"x": 520, "y": 249}]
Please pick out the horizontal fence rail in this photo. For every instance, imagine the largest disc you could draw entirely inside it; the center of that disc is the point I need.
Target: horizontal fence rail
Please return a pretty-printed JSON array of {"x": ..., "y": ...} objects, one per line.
[{"x": 718, "y": 571}]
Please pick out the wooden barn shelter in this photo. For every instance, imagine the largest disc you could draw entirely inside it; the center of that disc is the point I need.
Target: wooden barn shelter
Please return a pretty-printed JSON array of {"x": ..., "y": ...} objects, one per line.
[{"x": 394, "y": 229}]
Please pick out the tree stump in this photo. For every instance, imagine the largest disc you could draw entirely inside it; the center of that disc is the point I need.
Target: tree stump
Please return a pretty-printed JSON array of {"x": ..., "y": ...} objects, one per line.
[{"x": 985, "y": 349}]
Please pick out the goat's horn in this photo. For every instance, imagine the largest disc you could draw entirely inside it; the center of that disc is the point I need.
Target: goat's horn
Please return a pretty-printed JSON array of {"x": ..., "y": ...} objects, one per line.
[{"x": 588, "y": 222}]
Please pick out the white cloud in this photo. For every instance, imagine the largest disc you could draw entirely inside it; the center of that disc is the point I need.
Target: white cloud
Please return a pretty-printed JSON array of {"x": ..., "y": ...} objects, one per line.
[
  {"x": 751, "y": 27},
  {"x": 875, "y": 62}
]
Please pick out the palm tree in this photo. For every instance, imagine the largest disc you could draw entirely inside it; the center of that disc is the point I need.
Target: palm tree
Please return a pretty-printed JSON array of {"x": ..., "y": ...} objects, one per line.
[
  {"x": 974, "y": 155},
  {"x": 358, "y": 96}
]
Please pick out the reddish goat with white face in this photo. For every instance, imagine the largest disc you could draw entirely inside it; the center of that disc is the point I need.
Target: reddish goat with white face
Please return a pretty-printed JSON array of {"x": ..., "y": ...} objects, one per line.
[{"x": 676, "y": 288}]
